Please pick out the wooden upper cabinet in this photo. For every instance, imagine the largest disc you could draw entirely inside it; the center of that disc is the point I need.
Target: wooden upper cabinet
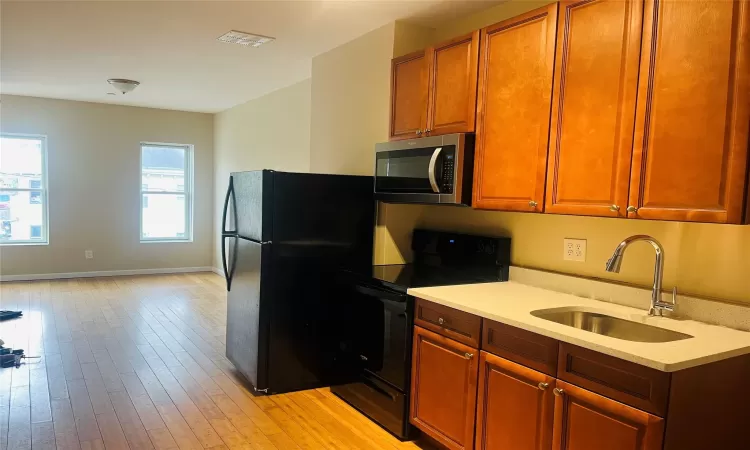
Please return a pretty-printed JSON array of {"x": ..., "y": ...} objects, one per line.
[
  {"x": 453, "y": 85},
  {"x": 588, "y": 421},
  {"x": 513, "y": 111},
  {"x": 444, "y": 389},
  {"x": 691, "y": 138},
  {"x": 408, "y": 96},
  {"x": 515, "y": 408},
  {"x": 593, "y": 107}
]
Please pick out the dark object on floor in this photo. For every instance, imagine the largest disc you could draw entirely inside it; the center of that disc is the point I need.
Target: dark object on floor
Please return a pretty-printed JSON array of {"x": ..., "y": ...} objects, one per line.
[
  {"x": 6, "y": 315},
  {"x": 12, "y": 358}
]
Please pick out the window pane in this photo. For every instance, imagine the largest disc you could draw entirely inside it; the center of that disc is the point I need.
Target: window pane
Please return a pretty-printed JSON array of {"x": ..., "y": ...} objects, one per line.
[
  {"x": 163, "y": 169},
  {"x": 20, "y": 163},
  {"x": 21, "y": 216},
  {"x": 164, "y": 216}
]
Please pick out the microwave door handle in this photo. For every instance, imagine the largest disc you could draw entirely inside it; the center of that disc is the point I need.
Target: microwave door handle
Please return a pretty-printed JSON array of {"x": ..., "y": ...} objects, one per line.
[{"x": 431, "y": 170}]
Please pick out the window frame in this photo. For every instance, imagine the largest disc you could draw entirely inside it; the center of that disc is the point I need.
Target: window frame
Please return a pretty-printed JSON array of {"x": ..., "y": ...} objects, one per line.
[
  {"x": 187, "y": 192},
  {"x": 44, "y": 190}
]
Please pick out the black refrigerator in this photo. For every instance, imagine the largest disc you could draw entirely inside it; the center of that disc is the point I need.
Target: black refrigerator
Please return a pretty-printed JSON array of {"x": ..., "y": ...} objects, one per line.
[{"x": 284, "y": 235}]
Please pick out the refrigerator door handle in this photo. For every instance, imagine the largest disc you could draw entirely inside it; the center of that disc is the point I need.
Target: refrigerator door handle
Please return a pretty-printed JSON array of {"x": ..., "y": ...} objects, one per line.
[
  {"x": 227, "y": 273},
  {"x": 233, "y": 266},
  {"x": 230, "y": 193}
]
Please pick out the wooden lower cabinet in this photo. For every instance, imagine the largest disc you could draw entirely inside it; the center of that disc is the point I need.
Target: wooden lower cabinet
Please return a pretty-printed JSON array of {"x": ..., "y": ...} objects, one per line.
[
  {"x": 515, "y": 406},
  {"x": 588, "y": 421},
  {"x": 444, "y": 389}
]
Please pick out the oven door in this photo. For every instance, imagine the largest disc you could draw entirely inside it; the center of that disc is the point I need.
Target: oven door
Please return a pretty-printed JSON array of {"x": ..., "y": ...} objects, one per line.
[
  {"x": 425, "y": 170},
  {"x": 384, "y": 330}
]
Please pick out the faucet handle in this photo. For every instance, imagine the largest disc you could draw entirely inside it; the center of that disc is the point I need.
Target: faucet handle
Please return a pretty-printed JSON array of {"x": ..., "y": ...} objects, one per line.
[{"x": 665, "y": 306}]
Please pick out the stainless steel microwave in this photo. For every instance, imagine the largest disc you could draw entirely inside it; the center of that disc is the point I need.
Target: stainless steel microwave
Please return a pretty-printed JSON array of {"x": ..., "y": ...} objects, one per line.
[{"x": 435, "y": 170}]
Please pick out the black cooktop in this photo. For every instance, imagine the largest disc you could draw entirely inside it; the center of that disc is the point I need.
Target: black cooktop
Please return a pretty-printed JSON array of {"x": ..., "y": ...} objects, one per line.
[
  {"x": 441, "y": 259},
  {"x": 405, "y": 276}
]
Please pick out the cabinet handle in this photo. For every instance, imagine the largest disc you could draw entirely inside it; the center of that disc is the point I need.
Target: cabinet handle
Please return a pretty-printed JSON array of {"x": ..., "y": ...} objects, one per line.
[
  {"x": 469, "y": 355},
  {"x": 558, "y": 392},
  {"x": 614, "y": 208},
  {"x": 543, "y": 386},
  {"x": 533, "y": 204},
  {"x": 632, "y": 209},
  {"x": 441, "y": 320}
]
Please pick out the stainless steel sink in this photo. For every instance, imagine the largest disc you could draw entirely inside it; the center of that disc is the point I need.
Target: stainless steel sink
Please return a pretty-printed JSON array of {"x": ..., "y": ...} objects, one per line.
[{"x": 609, "y": 326}]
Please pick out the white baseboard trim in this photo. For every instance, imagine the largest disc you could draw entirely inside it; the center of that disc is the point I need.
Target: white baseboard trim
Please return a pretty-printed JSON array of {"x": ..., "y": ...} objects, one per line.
[
  {"x": 218, "y": 271},
  {"x": 103, "y": 273}
]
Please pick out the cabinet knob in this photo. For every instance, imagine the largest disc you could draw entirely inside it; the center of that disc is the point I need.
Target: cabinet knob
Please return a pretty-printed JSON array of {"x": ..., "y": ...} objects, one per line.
[
  {"x": 558, "y": 392},
  {"x": 614, "y": 208},
  {"x": 419, "y": 132},
  {"x": 441, "y": 320},
  {"x": 543, "y": 386},
  {"x": 632, "y": 209},
  {"x": 428, "y": 131},
  {"x": 533, "y": 204},
  {"x": 469, "y": 355}
]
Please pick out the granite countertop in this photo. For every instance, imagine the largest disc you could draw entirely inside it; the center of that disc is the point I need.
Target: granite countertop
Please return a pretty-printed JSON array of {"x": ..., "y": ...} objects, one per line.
[{"x": 511, "y": 303}]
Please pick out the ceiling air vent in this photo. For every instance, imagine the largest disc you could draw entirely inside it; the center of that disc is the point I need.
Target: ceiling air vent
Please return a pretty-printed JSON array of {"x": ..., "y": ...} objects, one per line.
[{"x": 246, "y": 39}]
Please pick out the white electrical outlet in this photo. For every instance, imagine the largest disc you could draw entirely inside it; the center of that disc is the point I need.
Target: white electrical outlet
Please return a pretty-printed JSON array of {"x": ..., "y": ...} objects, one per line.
[
  {"x": 574, "y": 250},
  {"x": 89, "y": 254}
]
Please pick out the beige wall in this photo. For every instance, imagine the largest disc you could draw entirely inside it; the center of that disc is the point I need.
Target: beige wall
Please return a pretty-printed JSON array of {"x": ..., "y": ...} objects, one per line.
[
  {"x": 350, "y": 101},
  {"x": 94, "y": 181},
  {"x": 270, "y": 132},
  {"x": 705, "y": 260},
  {"x": 409, "y": 37}
]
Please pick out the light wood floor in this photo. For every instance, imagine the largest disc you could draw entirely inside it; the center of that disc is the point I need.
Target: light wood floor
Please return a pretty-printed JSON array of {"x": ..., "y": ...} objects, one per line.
[{"x": 138, "y": 362}]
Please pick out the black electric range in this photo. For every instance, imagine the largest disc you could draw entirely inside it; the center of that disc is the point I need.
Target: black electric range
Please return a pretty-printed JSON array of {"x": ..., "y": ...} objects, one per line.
[{"x": 377, "y": 336}]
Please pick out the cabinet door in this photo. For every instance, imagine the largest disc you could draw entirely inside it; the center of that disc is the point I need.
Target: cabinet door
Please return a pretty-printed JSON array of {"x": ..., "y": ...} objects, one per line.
[
  {"x": 515, "y": 86},
  {"x": 691, "y": 139},
  {"x": 444, "y": 389},
  {"x": 593, "y": 107},
  {"x": 588, "y": 421},
  {"x": 516, "y": 404},
  {"x": 408, "y": 96},
  {"x": 453, "y": 85}
]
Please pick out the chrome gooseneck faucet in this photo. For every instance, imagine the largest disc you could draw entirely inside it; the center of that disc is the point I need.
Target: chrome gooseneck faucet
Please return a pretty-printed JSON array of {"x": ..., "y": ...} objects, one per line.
[{"x": 614, "y": 263}]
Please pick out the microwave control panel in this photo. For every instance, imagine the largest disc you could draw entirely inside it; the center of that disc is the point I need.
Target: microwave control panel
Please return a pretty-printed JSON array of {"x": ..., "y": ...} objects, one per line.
[{"x": 447, "y": 181}]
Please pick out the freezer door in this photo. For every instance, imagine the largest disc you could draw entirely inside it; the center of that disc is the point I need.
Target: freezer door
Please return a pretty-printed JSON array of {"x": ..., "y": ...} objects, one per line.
[
  {"x": 334, "y": 214},
  {"x": 252, "y": 197},
  {"x": 247, "y": 315}
]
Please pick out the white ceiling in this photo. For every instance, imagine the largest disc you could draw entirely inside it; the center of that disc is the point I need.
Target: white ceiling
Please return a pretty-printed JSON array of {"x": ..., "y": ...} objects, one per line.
[{"x": 68, "y": 49}]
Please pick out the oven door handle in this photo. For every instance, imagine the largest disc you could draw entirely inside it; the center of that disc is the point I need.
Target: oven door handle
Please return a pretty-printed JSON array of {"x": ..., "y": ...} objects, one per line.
[
  {"x": 431, "y": 170},
  {"x": 392, "y": 296}
]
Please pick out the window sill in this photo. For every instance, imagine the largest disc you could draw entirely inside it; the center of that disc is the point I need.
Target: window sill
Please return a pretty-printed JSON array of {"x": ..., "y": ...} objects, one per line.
[
  {"x": 166, "y": 241},
  {"x": 23, "y": 243}
]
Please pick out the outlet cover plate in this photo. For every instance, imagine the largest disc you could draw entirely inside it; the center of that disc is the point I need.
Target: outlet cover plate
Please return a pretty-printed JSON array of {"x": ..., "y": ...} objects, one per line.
[
  {"x": 574, "y": 250},
  {"x": 89, "y": 254}
]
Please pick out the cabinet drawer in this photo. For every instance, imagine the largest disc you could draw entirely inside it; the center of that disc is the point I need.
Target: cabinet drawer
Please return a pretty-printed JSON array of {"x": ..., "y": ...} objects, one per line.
[
  {"x": 520, "y": 346},
  {"x": 638, "y": 386},
  {"x": 458, "y": 325}
]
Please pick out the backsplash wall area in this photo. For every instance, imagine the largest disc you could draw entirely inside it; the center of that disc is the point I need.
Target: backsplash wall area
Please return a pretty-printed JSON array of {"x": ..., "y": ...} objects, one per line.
[{"x": 704, "y": 260}]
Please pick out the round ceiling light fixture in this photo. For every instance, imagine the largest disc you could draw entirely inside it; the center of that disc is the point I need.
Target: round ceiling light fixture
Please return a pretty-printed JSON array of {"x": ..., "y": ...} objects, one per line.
[{"x": 123, "y": 86}]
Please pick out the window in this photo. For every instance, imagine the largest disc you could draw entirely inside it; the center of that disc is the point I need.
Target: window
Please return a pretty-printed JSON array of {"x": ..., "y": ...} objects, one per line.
[
  {"x": 23, "y": 189},
  {"x": 166, "y": 192}
]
